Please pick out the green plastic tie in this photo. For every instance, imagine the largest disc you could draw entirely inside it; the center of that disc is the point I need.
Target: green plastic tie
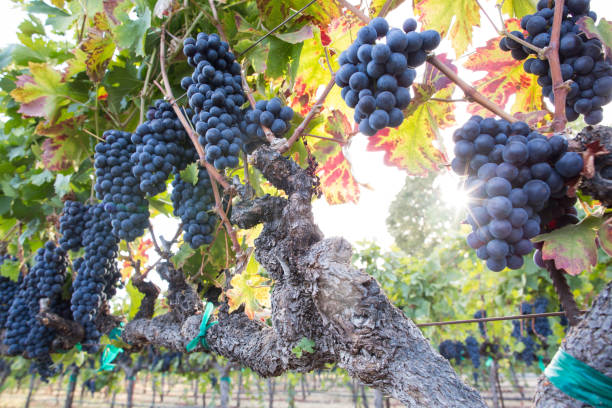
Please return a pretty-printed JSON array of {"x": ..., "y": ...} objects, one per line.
[
  {"x": 541, "y": 363},
  {"x": 79, "y": 347},
  {"x": 226, "y": 379},
  {"x": 108, "y": 356},
  {"x": 489, "y": 362},
  {"x": 115, "y": 334},
  {"x": 73, "y": 378},
  {"x": 204, "y": 326},
  {"x": 579, "y": 380}
]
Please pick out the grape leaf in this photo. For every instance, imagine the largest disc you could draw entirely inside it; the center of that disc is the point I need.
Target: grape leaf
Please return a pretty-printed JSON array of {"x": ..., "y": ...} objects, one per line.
[
  {"x": 10, "y": 269},
  {"x": 415, "y": 145},
  {"x": 98, "y": 48},
  {"x": 438, "y": 15},
  {"x": 190, "y": 174},
  {"x": 377, "y": 5},
  {"x": 275, "y": 11},
  {"x": 572, "y": 247},
  {"x": 603, "y": 31},
  {"x": 62, "y": 185},
  {"x": 131, "y": 33},
  {"x": 41, "y": 92},
  {"x": 505, "y": 77},
  {"x": 337, "y": 181},
  {"x": 605, "y": 236},
  {"x": 517, "y": 8},
  {"x": 249, "y": 289},
  {"x": 304, "y": 345},
  {"x": 135, "y": 299}
]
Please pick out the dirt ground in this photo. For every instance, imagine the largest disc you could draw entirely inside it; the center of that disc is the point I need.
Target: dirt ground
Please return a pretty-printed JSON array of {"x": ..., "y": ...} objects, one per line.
[{"x": 181, "y": 395}]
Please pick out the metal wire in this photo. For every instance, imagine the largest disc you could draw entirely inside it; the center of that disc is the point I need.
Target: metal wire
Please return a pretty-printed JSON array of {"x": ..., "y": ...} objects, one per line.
[
  {"x": 493, "y": 319},
  {"x": 291, "y": 17}
]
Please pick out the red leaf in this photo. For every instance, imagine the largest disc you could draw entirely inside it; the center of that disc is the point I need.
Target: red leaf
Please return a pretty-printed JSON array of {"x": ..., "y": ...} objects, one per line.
[{"x": 337, "y": 181}]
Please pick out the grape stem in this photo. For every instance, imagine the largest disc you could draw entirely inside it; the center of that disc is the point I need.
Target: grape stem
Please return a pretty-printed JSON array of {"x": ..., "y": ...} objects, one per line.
[
  {"x": 552, "y": 53},
  {"x": 504, "y": 31},
  {"x": 470, "y": 91},
  {"x": 564, "y": 292},
  {"x": 228, "y": 226},
  {"x": 313, "y": 111}
]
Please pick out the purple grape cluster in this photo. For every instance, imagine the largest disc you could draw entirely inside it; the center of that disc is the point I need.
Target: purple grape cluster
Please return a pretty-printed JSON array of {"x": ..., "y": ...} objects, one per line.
[
  {"x": 271, "y": 114},
  {"x": 97, "y": 273},
  {"x": 450, "y": 349},
  {"x": 215, "y": 94},
  {"x": 473, "y": 350},
  {"x": 161, "y": 146},
  {"x": 512, "y": 173},
  {"x": 72, "y": 224},
  {"x": 193, "y": 205},
  {"x": 118, "y": 187},
  {"x": 582, "y": 59},
  {"x": 375, "y": 77},
  {"x": 8, "y": 290}
]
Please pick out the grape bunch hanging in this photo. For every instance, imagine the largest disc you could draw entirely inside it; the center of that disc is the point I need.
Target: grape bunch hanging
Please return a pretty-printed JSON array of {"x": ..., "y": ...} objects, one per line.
[
  {"x": 193, "y": 205},
  {"x": 118, "y": 187},
  {"x": 215, "y": 94},
  {"x": 161, "y": 146},
  {"x": 512, "y": 175},
  {"x": 8, "y": 290},
  {"x": 271, "y": 114},
  {"x": 375, "y": 76},
  {"x": 582, "y": 59}
]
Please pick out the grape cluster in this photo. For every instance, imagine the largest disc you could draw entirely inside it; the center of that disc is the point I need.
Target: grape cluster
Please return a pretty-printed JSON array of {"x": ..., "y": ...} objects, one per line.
[
  {"x": 375, "y": 77},
  {"x": 512, "y": 173},
  {"x": 541, "y": 324},
  {"x": 161, "y": 145},
  {"x": 72, "y": 224},
  {"x": 45, "y": 279},
  {"x": 8, "y": 290},
  {"x": 582, "y": 59},
  {"x": 450, "y": 349},
  {"x": 471, "y": 345},
  {"x": 97, "y": 273},
  {"x": 271, "y": 114},
  {"x": 193, "y": 204},
  {"x": 480, "y": 314},
  {"x": 118, "y": 188},
  {"x": 215, "y": 94}
]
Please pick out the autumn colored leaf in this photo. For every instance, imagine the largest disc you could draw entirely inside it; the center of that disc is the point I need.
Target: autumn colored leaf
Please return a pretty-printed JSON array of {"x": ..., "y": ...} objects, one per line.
[
  {"x": 337, "y": 181},
  {"x": 139, "y": 254},
  {"x": 377, "y": 5},
  {"x": 438, "y": 15},
  {"x": 505, "y": 77},
  {"x": 98, "y": 48},
  {"x": 249, "y": 289},
  {"x": 517, "y": 8},
  {"x": 572, "y": 247},
  {"x": 42, "y": 92},
  {"x": 603, "y": 31},
  {"x": 64, "y": 144},
  {"x": 605, "y": 236},
  {"x": 415, "y": 145},
  {"x": 319, "y": 13}
]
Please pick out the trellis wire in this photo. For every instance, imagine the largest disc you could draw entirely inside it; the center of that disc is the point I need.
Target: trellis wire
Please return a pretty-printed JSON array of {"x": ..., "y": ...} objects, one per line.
[
  {"x": 493, "y": 319},
  {"x": 291, "y": 17}
]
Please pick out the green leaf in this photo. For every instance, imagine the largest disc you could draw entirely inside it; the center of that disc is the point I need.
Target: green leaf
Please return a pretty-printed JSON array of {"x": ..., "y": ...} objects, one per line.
[
  {"x": 10, "y": 269},
  {"x": 184, "y": 253},
  {"x": 457, "y": 18},
  {"x": 190, "y": 174},
  {"x": 41, "y": 178},
  {"x": 296, "y": 37},
  {"x": 131, "y": 33},
  {"x": 135, "y": 298},
  {"x": 572, "y": 247},
  {"x": 517, "y": 8},
  {"x": 377, "y": 6},
  {"x": 304, "y": 345},
  {"x": 5, "y": 204},
  {"x": 6, "y": 55},
  {"x": 62, "y": 185},
  {"x": 40, "y": 7}
]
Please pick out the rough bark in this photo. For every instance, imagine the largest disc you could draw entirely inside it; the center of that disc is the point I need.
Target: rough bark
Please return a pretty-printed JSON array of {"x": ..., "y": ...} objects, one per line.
[
  {"x": 317, "y": 295},
  {"x": 590, "y": 342}
]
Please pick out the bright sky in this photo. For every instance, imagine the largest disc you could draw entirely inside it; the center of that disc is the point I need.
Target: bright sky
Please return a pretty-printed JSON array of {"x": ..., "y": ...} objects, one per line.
[{"x": 365, "y": 220}]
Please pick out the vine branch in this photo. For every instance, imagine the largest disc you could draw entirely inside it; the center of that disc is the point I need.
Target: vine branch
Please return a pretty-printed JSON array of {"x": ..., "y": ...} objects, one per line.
[{"x": 552, "y": 53}]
